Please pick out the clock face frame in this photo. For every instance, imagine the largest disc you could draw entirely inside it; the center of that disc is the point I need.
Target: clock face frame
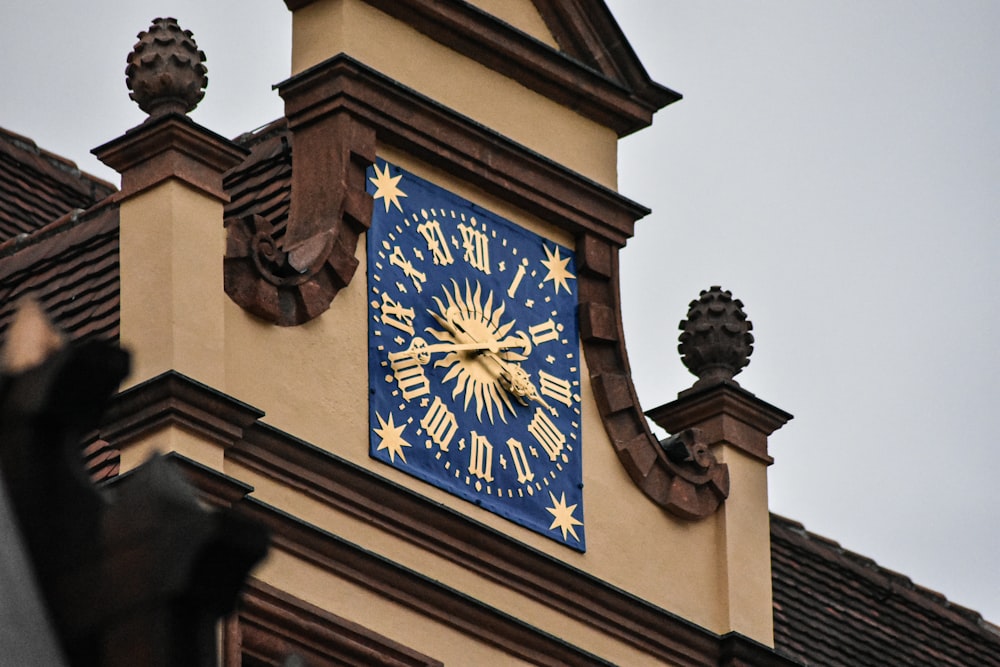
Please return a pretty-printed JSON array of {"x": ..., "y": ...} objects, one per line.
[{"x": 474, "y": 355}]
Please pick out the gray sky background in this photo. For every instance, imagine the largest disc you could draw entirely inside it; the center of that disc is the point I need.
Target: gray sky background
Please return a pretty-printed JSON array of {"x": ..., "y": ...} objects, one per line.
[{"x": 835, "y": 164}]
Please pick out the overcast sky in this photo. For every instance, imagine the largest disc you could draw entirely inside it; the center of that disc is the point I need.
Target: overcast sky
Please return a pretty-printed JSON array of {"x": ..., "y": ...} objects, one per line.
[{"x": 834, "y": 164}]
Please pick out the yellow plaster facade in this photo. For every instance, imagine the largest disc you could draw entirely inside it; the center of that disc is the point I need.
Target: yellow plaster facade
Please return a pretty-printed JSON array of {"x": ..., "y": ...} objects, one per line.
[
  {"x": 326, "y": 28},
  {"x": 171, "y": 241}
]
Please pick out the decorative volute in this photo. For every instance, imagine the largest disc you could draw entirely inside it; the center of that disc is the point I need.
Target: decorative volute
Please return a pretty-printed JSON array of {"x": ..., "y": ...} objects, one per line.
[{"x": 166, "y": 70}]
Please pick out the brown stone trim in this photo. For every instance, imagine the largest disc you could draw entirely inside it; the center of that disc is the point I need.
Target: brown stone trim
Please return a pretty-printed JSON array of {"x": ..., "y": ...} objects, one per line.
[
  {"x": 175, "y": 399},
  {"x": 404, "y": 118},
  {"x": 602, "y": 80},
  {"x": 271, "y": 624},
  {"x": 215, "y": 488},
  {"x": 598, "y": 95},
  {"x": 348, "y": 488},
  {"x": 587, "y": 31},
  {"x": 428, "y": 597},
  {"x": 688, "y": 489},
  {"x": 293, "y": 281},
  {"x": 448, "y": 534},
  {"x": 170, "y": 146},
  {"x": 725, "y": 413}
]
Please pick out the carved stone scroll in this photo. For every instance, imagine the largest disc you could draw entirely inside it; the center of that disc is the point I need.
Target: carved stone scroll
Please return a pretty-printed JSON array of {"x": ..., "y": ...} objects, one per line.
[{"x": 292, "y": 277}]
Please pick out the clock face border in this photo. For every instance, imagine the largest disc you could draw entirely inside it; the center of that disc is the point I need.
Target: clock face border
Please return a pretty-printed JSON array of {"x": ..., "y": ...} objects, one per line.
[{"x": 491, "y": 411}]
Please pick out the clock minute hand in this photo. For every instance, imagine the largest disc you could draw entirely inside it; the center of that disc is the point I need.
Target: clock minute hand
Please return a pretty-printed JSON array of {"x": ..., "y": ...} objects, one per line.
[
  {"x": 422, "y": 351},
  {"x": 517, "y": 381},
  {"x": 459, "y": 347}
]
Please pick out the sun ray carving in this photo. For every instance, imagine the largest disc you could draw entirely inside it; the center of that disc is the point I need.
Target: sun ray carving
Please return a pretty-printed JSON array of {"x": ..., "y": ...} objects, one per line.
[{"x": 470, "y": 316}]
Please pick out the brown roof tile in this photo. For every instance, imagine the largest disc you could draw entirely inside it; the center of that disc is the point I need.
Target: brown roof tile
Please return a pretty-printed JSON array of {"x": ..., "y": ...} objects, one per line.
[
  {"x": 835, "y": 608},
  {"x": 36, "y": 186},
  {"x": 71, "y": 267},
  {"x": 263, "y": 183}
]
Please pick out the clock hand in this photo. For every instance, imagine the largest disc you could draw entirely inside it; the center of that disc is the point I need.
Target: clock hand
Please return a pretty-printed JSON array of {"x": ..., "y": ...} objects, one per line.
[
  {"x": 422, "y": 351},
  {"x": 518, "y": 382},
  {"x": 512, "y": 376},
  {"x": 473, "y": 346}
]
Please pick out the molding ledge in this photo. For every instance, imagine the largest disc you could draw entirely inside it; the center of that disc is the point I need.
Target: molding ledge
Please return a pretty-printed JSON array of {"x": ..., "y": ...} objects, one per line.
[
  {"x": 348, "y": 488},
  {"x": 170, "y": 146}
]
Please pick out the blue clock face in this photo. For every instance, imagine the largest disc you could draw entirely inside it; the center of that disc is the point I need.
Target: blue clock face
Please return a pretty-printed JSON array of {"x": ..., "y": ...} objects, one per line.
[{"x": 474, "y": 356}]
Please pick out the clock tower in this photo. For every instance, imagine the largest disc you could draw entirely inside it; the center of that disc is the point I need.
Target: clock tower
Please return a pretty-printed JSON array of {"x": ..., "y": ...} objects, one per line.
[{"x": 412, "y": 367}]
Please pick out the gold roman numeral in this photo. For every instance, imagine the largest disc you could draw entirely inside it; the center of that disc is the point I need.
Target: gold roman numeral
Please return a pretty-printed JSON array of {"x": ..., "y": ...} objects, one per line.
[
  {"x": 409, "y": 374},
  {"x": 481, "y": 457},
  {"x": 517, "y": 455},
  {"x": 439, "y": 422},
  {"x": 436, "y": 242},
  {"x": 477, "y": 247},
  {"x": 544, "y": 332},
  {"x": 395, "y": 315},
  {"x": 398, "y": 259},
  {"x": 555, "y": 388},
  {"x": 545, "y": 432}
]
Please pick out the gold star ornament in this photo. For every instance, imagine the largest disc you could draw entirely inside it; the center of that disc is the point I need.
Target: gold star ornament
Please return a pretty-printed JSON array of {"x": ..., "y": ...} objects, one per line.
[
  {"x": 564, "y": 519},
  {"x": 557, "y": 271},
  {"x": 387, "y": 188},
  {"x": 392, "y": 437}
]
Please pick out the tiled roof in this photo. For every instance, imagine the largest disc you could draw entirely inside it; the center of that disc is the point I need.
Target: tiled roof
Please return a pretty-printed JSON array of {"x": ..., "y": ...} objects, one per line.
[
  {"x": 262, "y": 184},
  {"x": 36, "y": 186},
  {"x": 835, "y": 608},
  {"x": 71, "y": 267}
]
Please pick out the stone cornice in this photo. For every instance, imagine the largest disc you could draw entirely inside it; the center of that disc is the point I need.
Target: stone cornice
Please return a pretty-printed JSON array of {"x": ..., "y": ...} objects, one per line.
[
  {"x": 271, "y": 625},
  {"x": 412, "y": 122},
  {"x": 427, "y": 597},
  {"x": 726, "y": 414},
  {"x": 170, "y": 146},
  {"x": 346, "y": 487},
  {"x": 621, "y": 96},
  {"x": 175, "y": 399}
]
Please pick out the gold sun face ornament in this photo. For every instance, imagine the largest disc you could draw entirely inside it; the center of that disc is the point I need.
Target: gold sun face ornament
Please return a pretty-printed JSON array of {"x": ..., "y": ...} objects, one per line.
[
  {"x": 474, "y": 355},
  {"x": 479, "y": 352}
]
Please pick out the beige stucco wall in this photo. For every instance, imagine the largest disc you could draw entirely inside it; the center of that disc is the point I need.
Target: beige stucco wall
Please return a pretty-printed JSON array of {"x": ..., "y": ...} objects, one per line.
[
  {"x": 170, "y": 245},
  {"x": 329, "y": 27}
]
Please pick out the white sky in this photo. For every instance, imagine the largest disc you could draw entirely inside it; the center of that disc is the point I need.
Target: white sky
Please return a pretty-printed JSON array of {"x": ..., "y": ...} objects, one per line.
[{"x": 834, "y": 164}]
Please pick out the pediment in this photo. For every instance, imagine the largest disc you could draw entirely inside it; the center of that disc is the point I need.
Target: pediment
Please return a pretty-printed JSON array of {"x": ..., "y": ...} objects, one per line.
[
  {"x": 586, "y": 31},
  {"x": 587, "y": 65}
]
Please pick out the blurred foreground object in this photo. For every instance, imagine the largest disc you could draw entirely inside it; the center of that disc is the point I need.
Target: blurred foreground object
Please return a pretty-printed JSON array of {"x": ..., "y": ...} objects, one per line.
[{"x": 137, "y": 573}]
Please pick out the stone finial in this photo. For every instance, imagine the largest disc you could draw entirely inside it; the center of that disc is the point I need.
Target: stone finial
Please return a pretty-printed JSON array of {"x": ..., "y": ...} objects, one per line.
[
  {"x": 166, "y": 71},
  {"x": 715, "y": 340}
]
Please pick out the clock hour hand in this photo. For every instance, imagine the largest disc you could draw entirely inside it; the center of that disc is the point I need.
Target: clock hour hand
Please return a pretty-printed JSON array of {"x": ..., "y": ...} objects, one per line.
[
  {"x": 517, "y": 381},
  {"x": 452, "y": 325}
]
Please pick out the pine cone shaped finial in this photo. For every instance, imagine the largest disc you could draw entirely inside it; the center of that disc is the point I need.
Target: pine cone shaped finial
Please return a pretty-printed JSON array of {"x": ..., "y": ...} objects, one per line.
[
  {"x": 166, "y": 71},
  {"x": 715, "y": 340}
]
